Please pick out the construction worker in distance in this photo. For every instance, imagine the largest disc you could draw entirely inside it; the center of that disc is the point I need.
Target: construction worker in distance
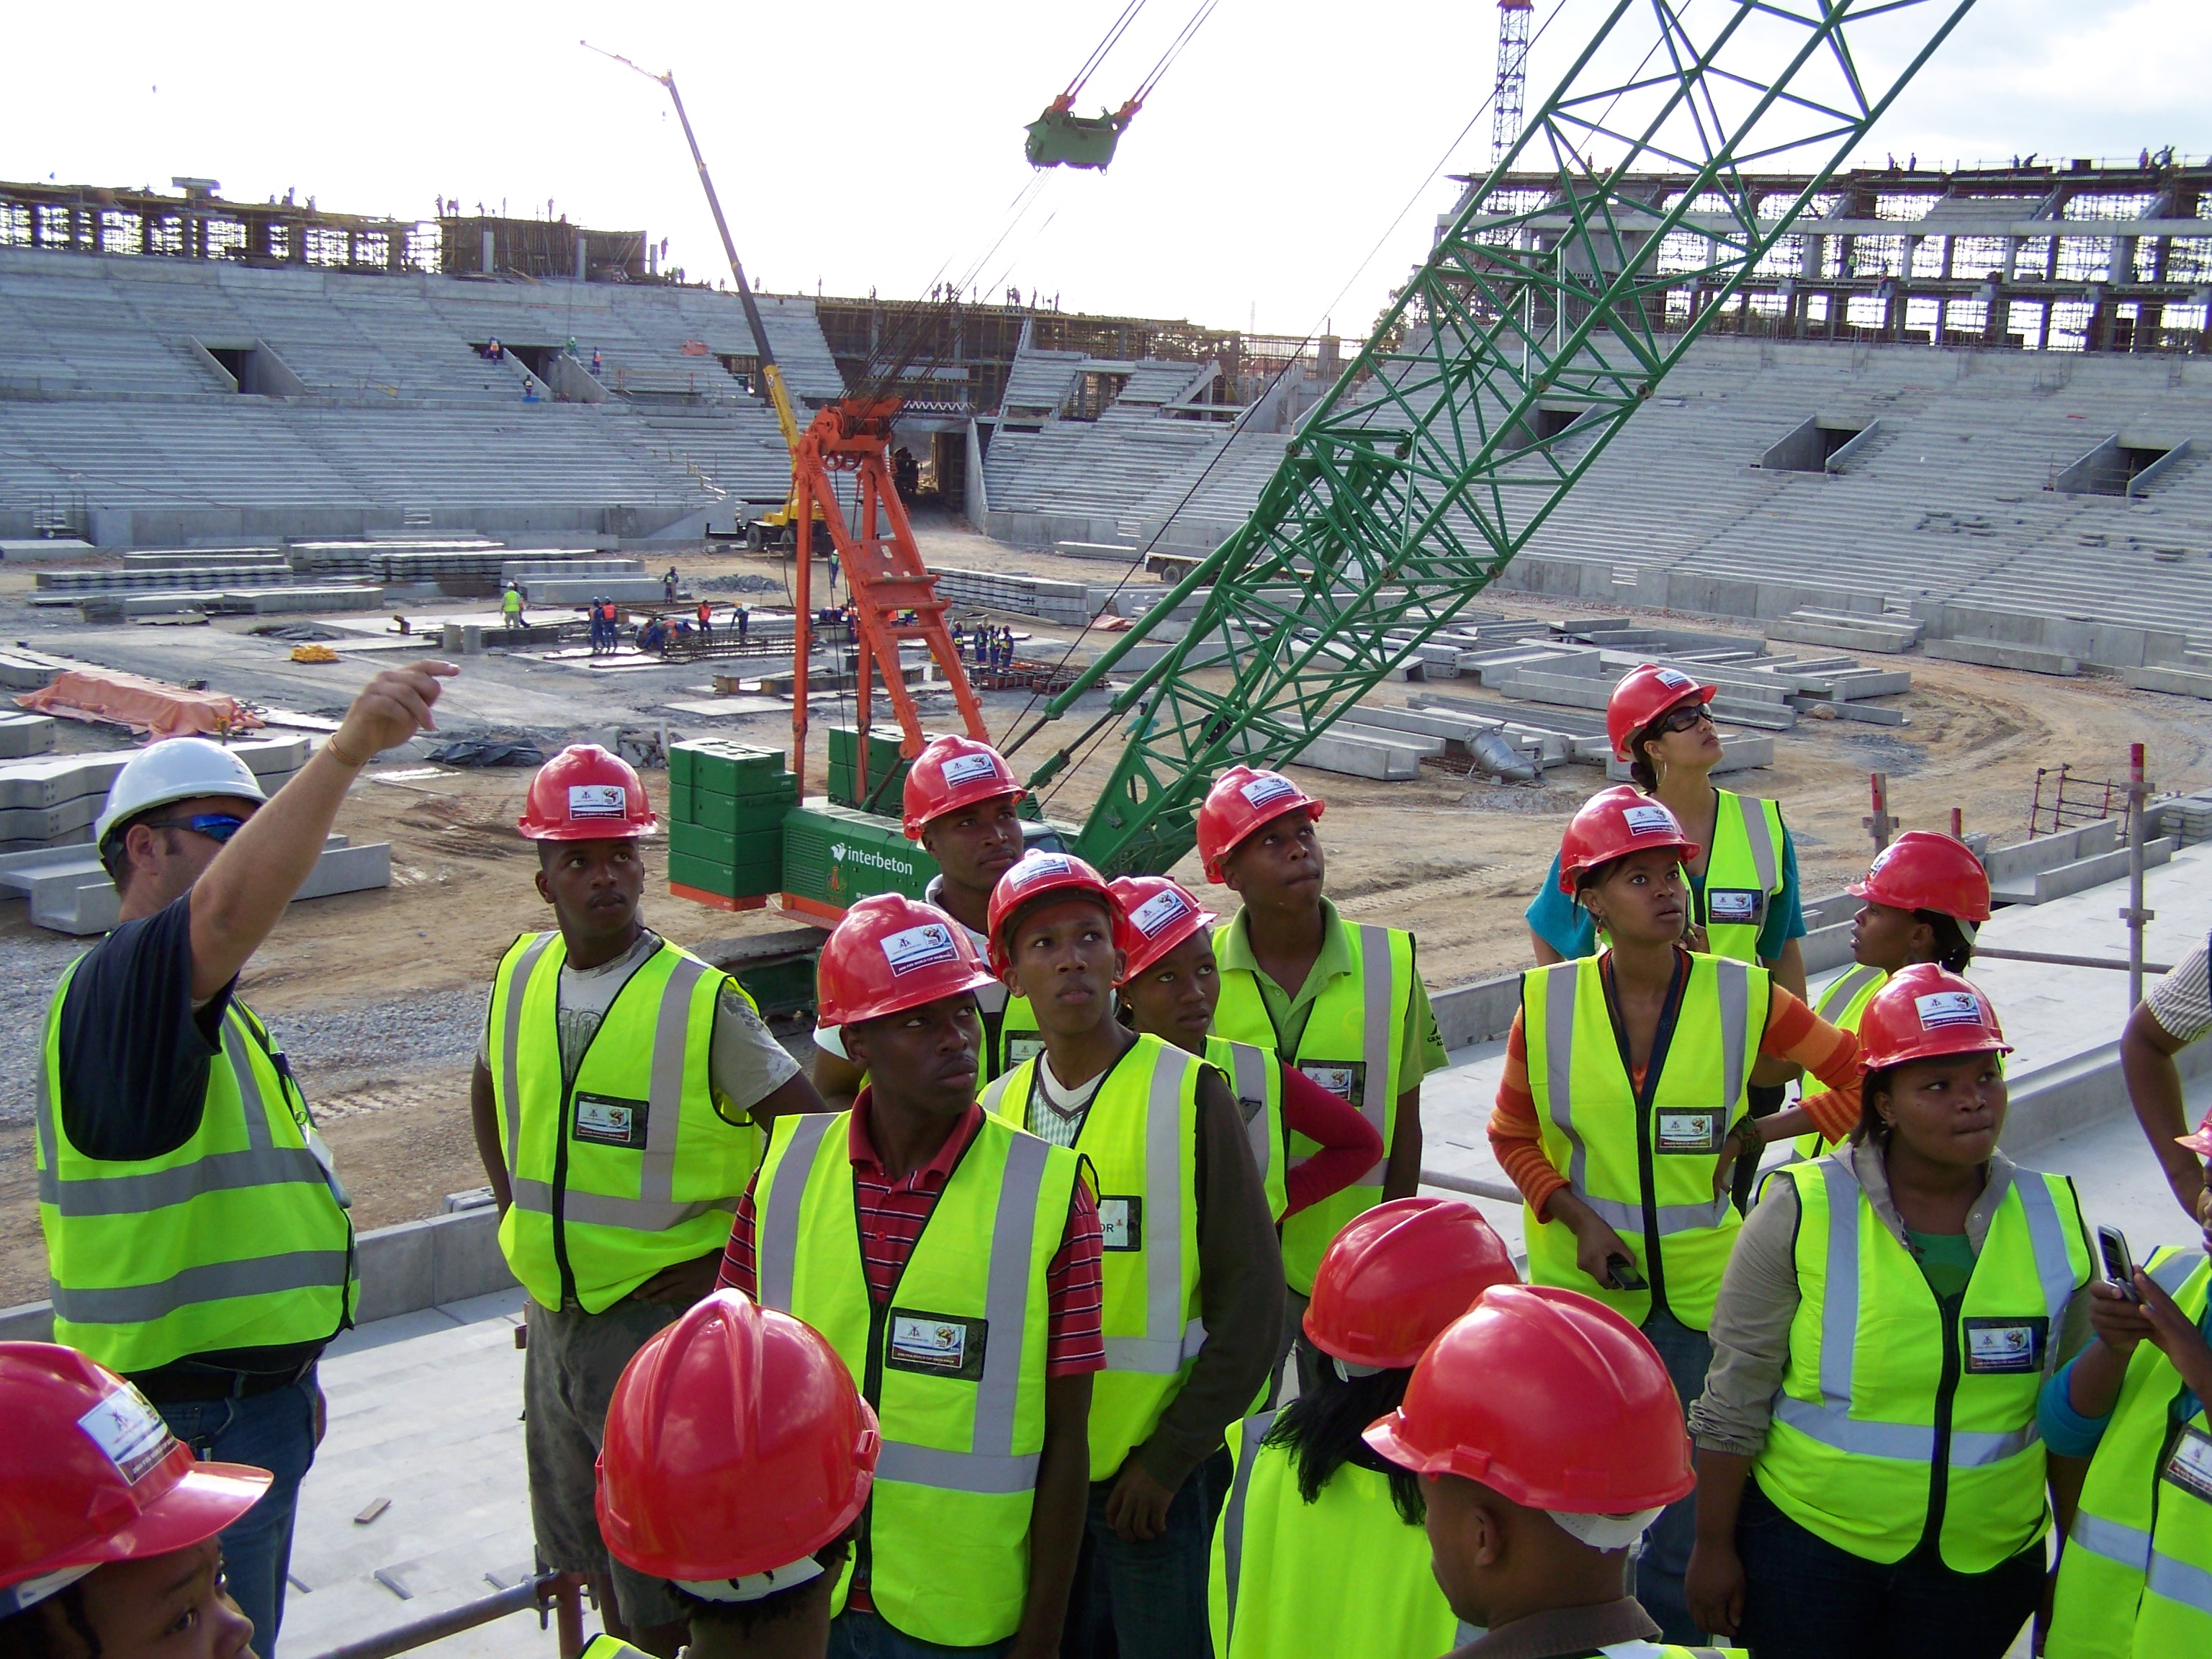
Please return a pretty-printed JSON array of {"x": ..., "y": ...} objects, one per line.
[
  {"x": 739, "y": 1456},
  {"x": 1926, "y": 898},
  {"x": 1311, "y": 1507},
  {"x": 1743, "y": 886},
  {"x": 1869, "y": 1475},
  {"x": 110, "y": 1548},
  {"x": 618, "y": 1103},
  {"x": 960, "y": 801},
  {"x": 1621, "y": 1111},
  {"x": 1536, "y": 1492},
  {"x": 953, "y": 1262},
  {"x": 197, "y": 1235},
  {"x": 2175, "y": 1013},
  {"x": 510, "y": 605},
  {"x": 1169, "y": 988},
  {"x": 1193, "y": 1272},
  {"x": 1343, "y": 1004},
  {"x": 2135, "y": 1579}
]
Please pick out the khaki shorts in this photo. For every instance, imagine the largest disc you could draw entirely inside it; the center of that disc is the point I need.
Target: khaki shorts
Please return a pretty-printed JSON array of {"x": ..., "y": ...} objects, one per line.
[{"x": 568, "y": 1373}]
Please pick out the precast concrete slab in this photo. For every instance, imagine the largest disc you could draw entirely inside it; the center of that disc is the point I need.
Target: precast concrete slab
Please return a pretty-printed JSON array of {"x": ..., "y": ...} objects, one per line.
[
  {"x": 2176, "y": 682},
  {"x": 1991, "y": 654}
]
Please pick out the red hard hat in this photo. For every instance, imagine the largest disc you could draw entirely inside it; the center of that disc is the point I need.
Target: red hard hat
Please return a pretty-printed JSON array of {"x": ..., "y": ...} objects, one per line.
[
  {"x": 1549, "y": 1397},
  {"x": 584, "y": 794},
  {"x": 1398, "y": 1274},
  {"x": 1646, "y": 692},
  {"x": 892, "y": 952},
  {"x": 732, "y": 1399},
  {"x": 951, "y": 772},
  {"x": 1157, "y": 915},
  {"x": 96, "y": 1476},
  {"x": 1613, "y": 824},
  {"x": 1926, "y": 1012},
  {"x": 1030, "y": 878},
  {"x": 1241, "y": 799},
  {"x": 1924, "y": 870}
]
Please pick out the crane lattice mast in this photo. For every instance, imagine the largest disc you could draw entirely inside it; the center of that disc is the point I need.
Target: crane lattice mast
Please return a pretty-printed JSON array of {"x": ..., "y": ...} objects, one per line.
[{"x": 1510, "y": 94}]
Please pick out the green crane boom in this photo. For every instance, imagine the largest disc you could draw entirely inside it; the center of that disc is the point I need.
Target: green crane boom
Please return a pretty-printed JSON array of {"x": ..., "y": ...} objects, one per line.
[{"x": 1497, "y": 379}]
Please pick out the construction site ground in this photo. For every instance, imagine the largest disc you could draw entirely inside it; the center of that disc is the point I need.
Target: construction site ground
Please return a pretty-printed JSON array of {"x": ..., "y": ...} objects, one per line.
[{"x": 377, "y": 996}]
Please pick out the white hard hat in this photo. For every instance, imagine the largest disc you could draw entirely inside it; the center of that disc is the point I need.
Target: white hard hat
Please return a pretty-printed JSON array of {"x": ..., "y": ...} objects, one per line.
[{"x": 177, "y": 769}]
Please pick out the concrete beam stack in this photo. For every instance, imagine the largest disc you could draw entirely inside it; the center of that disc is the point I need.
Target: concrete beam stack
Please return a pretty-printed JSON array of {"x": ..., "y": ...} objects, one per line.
[{"x": 53, "y": 802}]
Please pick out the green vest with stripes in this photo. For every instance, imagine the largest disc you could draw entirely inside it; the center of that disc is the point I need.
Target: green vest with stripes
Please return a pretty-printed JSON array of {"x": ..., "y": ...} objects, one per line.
[
  {"x": 1842, "y": 1004},
  {"x": 238, "y": 1239},
  {"x": 1351, "y": 1045},
  {"x": 1645, "y": 1164},
  {"x": 954, "y": 1362},
  {"x": 1256, "y": 1078},
  {"x": 1140, "y": 1135},
  {"x": 1898, "y": 1417},
  {"x": 1743, "y": 874},
  {"x": 1280, "y": 1565},
  {"x": 2136, "y": 1580},
  {"x": 604, "y": 1646},
  {"x": 627, "y": 1168}
]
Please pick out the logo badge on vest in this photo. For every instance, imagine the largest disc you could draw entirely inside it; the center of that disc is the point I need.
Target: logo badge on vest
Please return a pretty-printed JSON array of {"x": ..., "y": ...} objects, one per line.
[
  {"x": 919, "y": 947},
  {"x": 1998, "y": 1347},
  {"x": 1022, "y": 1047},
  {"x": 1941, "y": 1008},
  {"x": 1687, "y": 1132},
  {"x": 609, "y": 1121},
  {"x": 2191, "y": 1466},
  {"x": 934, "y": 1345},
  {"x": 1649, "y": 820},
  {"x": 1739, "y": 905},
  {"x": 598, "y": 800},
  {"x": 1345, "y": 1078},
  {"x": 1123, "y": 1222},
  {"x": 961, "y": 767},
  {"x": 1159, "y": 913}
]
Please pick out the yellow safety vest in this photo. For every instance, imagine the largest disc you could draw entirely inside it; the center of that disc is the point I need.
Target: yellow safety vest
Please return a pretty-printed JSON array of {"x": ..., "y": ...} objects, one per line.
[
  {"x": 1140, "y": 1135},
  {"x": 954, "y": 1363},
  {"x": 1896, "y": 1419},
  {"x": 1351, "y": 1045},
  {"x": 627, "y": 1168},
  {"x": 2136, "y": 1579},
  {"x": 1256, "y": 1078},
  {"x": 238, "y": 1239},
  {"x": 604, "y": 1646},
  {"x": 1646, "y": 1166},
  {"x": 1842, "y": 1004},
  {"x": 1281, "y": 1565},
  {"x": 1743, "y": 874}
]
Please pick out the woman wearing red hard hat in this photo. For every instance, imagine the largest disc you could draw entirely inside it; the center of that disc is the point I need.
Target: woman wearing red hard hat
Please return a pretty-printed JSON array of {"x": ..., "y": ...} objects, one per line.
[
  {"x": 1870, "y": 1479},
  {"x": 1308, "y": 1509},
  {"x": 1624, "y": 1109},
  {"x": 108, "y": 1528}
]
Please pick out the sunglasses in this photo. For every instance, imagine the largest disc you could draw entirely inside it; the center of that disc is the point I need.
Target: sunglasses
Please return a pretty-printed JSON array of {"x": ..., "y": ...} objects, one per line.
[
  {"x": 1682, "y": 719},
  {"x": 215, "y": 826}
]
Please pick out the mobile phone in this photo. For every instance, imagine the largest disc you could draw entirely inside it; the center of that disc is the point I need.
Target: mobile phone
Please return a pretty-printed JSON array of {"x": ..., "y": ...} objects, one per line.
[
  {"x": 1623, "y": 1276},
  {"x": 2119, "y": 1264}
]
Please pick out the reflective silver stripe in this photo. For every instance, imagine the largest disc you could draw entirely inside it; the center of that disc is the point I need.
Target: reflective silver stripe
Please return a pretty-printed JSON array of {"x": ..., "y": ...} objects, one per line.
[
  {"x": 1006, "y": 1301},
  {"x": 518, "y": 981},
  {"x": 1628, "y": 1218},
  {"x": 1248, "y": 1067},
  {"x": 641, "y": 1215},
  {"x": 2180, "y": 1580},
  {"x": 141, "y": 1304},
  {"x": 951, "y": 1470},
  {"x": 1839, "y": 996},
  {"x": 776, "y": 1234},
  {"x": 996, "y": 1092},
  {"x": 1379, "y": 1033},
  {"x": 664, "y": 1117},
  {"x": 1560, "y": 985},
  {"x": 158, "y": 1189},
  {"x": 1839, "y": 1295},
  {"x": 1756, "y": 831},
  {"x": 1732, "y": 980},
  {"x": 2127, "y": 1546},
  {"x": 1907, "y": 1442},
  {"x": 2046, "y": 1235},
  {"x": 1160, "y": 1350},
  {"x": 235, "y": 1049},
  {"x": 1255, "y": 1429},
  {"x": 2171, "y": 1275}
]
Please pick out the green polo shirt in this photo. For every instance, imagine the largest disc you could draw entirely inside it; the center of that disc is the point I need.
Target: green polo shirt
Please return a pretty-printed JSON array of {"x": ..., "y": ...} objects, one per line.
[{"x": 1422, "y": 1049}]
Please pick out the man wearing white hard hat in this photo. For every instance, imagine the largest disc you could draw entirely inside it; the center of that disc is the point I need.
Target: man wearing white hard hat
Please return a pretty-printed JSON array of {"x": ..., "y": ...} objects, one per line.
[{"x": 196, "y": 1236}]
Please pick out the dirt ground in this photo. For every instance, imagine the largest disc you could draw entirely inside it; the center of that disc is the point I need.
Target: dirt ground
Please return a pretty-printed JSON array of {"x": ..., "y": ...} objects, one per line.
[{"x": 378, "y": 995}]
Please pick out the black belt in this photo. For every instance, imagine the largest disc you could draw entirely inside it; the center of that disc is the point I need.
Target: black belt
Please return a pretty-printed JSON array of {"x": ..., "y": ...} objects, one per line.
[{"x": 184, "y": 1383}]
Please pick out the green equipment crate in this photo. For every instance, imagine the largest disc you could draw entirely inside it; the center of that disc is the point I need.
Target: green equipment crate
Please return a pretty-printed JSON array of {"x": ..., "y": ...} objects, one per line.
[
  {"x": 834, "y": 855},
  {"x": 709, "y": 875},
  {"x": 761, "y": 850},
  {"x": 887, "y": 770},
  {"x": 725, "y": 768}
]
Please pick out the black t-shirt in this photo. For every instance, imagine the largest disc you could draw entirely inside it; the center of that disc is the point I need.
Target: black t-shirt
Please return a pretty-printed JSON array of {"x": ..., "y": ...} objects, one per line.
[{"x": 134, "y": 1065}]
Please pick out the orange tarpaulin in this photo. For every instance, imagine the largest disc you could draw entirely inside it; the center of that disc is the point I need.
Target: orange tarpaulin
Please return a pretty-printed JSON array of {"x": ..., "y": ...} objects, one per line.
[{"x": 143, "y": 705}]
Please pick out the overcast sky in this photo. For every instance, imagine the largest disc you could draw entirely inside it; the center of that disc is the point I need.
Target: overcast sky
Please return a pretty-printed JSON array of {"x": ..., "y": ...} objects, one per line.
[{"x": 878, "y": 146}]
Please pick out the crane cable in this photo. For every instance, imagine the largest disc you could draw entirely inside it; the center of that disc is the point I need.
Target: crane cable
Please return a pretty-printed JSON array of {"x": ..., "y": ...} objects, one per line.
[
  {"x": 1099, "y": 53},
  {"x": 1174, "y": 51}
]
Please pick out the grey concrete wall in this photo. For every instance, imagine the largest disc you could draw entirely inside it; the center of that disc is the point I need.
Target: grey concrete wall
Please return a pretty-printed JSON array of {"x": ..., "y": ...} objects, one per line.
[{"x": 173, "y": 526}]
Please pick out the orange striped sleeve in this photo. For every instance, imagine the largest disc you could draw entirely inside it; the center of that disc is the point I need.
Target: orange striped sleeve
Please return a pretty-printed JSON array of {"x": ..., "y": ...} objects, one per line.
[
  {"x": 1515, "y": 1139},
  {"x": 1829, "y": 1053}
]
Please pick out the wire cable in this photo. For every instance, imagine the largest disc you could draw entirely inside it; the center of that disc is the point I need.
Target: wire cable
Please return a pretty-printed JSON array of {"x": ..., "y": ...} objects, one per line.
[
  {"x": 1174, "y": 51},
  {"x": 1099, "y": 53}
]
